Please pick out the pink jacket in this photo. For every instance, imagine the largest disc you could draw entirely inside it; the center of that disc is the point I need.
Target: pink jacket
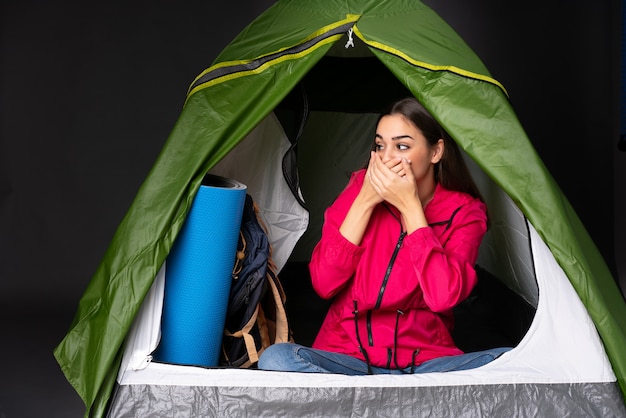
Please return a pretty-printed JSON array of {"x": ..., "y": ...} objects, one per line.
[{"x": 404, "y": 316}]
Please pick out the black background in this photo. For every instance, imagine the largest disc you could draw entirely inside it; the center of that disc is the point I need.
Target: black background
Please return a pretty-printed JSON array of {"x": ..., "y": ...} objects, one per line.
[{"x": 89, "y": 93}]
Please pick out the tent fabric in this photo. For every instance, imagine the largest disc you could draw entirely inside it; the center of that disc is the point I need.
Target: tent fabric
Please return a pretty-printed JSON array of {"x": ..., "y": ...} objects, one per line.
[
  {"x": 258, "y": 164},
  {"x": 523, "y": 400},
  {"x": 249, "y": 79}
]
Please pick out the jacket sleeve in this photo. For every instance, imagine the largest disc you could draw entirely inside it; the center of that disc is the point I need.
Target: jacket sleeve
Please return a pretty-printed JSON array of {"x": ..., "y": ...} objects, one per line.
[
  {"x": 334, "y": 258},
  {"x": 445, "y": 270}
]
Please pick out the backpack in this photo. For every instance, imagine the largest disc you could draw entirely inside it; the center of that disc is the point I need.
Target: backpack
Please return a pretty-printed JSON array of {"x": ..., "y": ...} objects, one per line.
[{"x": 256, "y": 316}]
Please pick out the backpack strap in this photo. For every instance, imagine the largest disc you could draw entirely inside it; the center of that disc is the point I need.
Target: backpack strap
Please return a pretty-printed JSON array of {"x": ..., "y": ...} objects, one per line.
[
  {"x": 281, "y": 332},
  {"x": 261, "y": 305},
  {"x": 253, "y": 355},
  {"x": 272, "y": 331}
]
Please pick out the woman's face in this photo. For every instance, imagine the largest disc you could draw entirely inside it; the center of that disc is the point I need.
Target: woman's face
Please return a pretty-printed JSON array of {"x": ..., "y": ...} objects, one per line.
[{"x": 396, "y": 136}]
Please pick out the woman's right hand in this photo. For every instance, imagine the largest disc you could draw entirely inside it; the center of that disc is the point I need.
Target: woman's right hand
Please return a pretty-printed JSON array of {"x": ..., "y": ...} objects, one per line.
[
  {"x": 355, "y": 223},
  {"x": 368, "y": 193}
]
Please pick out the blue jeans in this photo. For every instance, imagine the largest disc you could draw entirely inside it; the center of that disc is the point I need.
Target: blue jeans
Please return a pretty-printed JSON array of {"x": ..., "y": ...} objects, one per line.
[{"x": 297, "y": 358}]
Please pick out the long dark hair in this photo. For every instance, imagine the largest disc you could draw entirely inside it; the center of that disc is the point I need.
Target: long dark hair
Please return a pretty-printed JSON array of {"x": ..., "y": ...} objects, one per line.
[{"x": 451, "y": 171}]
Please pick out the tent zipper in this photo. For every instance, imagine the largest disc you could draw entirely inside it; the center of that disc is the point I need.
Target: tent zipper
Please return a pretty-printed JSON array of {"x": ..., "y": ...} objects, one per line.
[{"x": 144, "y": 363}]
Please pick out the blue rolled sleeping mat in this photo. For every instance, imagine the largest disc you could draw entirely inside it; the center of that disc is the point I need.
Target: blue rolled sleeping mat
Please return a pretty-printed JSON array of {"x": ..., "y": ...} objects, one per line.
[{"x": 198, "y": 272}]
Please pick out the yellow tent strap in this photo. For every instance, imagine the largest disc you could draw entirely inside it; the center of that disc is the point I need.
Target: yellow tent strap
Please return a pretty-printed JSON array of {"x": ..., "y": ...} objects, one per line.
[{"x": 431, "y": 67}]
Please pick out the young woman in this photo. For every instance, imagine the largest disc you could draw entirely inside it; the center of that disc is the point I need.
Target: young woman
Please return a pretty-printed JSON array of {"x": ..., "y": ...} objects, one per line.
[{"x": 397, "y": 253}]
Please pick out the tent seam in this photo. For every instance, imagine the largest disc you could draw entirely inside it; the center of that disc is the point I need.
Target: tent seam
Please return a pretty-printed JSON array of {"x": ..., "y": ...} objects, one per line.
[
  {"x": 229, "y": 70},
  {"x": 432, "y": 67}
]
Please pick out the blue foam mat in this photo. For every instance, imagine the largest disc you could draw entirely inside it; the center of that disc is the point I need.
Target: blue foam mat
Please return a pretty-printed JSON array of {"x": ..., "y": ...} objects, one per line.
[{"x": 198, "y": 276}]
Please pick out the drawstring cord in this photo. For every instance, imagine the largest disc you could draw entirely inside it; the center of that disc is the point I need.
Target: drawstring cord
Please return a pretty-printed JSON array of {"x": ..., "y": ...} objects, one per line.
[
  {"x": 395, "y": 340},
  {"x": 391, "y": 352},
  {"x": 358, "y": 338},
  {"x": 395, "y": 346}
]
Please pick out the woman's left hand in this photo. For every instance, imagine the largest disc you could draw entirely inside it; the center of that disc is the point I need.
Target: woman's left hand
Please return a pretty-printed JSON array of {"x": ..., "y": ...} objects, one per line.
[{"x": 394, "y": 181}]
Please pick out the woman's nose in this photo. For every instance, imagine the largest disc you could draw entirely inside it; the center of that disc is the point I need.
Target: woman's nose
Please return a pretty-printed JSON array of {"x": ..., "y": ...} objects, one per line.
[{"x": 387, "y": 154}]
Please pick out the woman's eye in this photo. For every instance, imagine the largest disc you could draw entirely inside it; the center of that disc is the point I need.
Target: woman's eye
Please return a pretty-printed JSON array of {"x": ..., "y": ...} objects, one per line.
[
  {"x": 403, "y": 147},
  {"x": 378, "y": 147}
]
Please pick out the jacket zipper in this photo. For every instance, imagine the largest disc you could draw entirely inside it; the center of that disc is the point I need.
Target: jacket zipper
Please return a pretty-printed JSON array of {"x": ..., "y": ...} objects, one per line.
[
  {"x": 388, "y": 272},
  {"x": 383, "y": 286}
]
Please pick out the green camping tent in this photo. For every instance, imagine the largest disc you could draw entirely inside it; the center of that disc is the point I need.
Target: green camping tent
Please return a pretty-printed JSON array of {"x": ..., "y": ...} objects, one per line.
[{"x": 253, "y": 76}]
